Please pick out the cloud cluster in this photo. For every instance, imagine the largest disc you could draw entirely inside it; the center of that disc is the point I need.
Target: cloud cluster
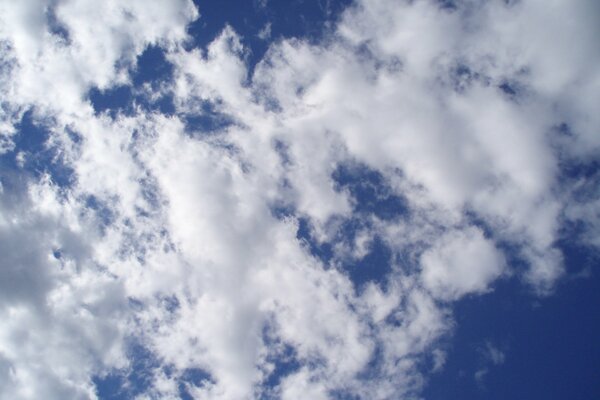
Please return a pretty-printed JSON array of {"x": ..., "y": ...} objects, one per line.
[{"x": 453, "y": 143}]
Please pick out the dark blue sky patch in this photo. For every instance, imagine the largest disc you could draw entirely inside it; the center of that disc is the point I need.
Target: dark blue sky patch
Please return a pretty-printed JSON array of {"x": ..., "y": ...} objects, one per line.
[
  {"x": 569, "y": 243},
  {"x": 323, "y": 251},
  {"x": 126, "y": 384},
  {"x": 113, "y": 100},
  {"x": 164, "y": 104},
  {"x": 374, "y": 267},
  {"x": 32, "y": 135},
  {"x": 244, "y": 17},
  {"x": 111, "y": 387},
  {"x": 57, "y": 253},
  {"x": 370, "y": 192},
  {"x": 511, "y": 249},
  {"x": 513, "y": 253},
  {"x": 473, "y": 219},
  {"x": 282, "y": 358},
  {"x": 343, "y": 394},
  {"x": 282, "y": 206},
  {"x": 551, "y": 344},
  {"x": 138, "y": 378},
  {"x": 307, "y": 19},
  {"x": 192, "y": 377},
  {"x": 282, "y": 209},
  {"x": 152, "y": 66},
  {"x": 208, "y": 120},
  {"x": 575, "y": 169},
  {"x": 37, "y": 156},
  {"x": 582, "y": 178},
  {"x": 124, "y": 100},
  {"x": 56, "y": 27},
  {"x": 285, "y": 363},
  {"x": 154, "y": 70},
  {"x": 448, "y": 5},
  {"x": 581, "y": 260}
]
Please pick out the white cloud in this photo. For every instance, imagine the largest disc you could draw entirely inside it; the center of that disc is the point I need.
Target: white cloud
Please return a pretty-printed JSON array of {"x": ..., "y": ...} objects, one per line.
[
  {"x": 461, "y": 263},
  {"x": 168, "y": 233},
  {"x": 54, "y": 73},
  {"x": 265, "y": 32},
  {"x": 63, "y": 318}
]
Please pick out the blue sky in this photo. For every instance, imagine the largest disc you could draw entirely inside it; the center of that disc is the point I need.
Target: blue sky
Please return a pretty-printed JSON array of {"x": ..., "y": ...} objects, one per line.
[{"x": 367, "y": 199}]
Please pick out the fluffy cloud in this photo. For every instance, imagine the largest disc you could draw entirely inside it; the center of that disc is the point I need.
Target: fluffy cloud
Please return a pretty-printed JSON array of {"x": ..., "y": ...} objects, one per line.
[
  {"x": 64, "y": 319},
  {"x": 461, "y": 263},
  {"x": 234, "y": 250}
]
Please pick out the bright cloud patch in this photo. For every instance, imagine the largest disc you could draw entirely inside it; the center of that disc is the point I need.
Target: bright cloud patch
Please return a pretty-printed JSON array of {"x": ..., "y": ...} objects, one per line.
[
  {"x": 189, "y": 221},
  {"x": 460, "y": 263}
]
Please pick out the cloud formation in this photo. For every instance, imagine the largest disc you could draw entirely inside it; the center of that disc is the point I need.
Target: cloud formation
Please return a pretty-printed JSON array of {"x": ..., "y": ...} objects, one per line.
[{"x": 231, "y": 236}]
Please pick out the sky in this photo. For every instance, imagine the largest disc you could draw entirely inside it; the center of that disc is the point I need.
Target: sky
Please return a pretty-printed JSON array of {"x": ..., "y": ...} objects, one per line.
[{"x": 299, "y": 199}]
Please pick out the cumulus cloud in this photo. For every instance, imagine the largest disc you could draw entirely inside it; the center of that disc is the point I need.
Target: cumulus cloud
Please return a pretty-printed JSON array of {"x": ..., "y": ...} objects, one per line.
[
  {"x": 460, "y": 263},
  {"x": 64, "y": 316},
  {"x": 230, "y": 253}
]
